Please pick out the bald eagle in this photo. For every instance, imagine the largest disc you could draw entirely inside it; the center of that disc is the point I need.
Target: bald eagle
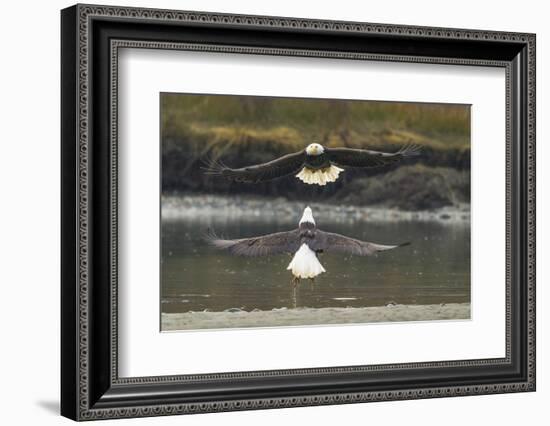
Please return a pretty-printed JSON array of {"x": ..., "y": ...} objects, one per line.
[
  {"x": 314, "y": 165},
  {"x": 305, "y": 242}
]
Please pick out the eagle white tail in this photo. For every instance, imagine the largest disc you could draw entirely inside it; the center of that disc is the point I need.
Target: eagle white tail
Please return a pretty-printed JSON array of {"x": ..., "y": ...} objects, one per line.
[
  {"x": 305, "y": 264},
  {"x": 319, "y": 177}
]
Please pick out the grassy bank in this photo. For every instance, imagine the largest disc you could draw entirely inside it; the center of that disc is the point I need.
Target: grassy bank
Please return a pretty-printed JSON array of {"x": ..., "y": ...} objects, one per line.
[{"x": 248, "y": 130}]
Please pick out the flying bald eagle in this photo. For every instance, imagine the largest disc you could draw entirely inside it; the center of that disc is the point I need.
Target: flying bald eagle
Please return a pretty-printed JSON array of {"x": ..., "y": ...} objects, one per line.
[
  {"x": 305, "y": 242},
  {"x": 314, "y": 165}
]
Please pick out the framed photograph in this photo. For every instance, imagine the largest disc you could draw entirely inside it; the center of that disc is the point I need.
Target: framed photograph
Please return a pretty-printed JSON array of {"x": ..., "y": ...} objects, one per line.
[{"x": 263, "y": 212}]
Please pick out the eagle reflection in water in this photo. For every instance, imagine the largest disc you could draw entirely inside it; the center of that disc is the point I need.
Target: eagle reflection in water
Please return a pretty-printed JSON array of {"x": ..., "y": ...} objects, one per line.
[{"x": 305, "y": 243}]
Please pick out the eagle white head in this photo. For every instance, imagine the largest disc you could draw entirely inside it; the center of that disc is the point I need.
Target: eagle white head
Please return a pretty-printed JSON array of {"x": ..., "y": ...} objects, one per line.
[
  {"x": 314, "y": 149},
  {"x": 307, "y": 216}
]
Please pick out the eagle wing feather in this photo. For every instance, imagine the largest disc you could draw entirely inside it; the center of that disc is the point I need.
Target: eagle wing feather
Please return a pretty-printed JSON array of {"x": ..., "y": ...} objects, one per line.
[
  {"x": 351, "y": 157},
  {"x": 263, "y": 245},
  {"x": 331, "y": 242},
  {"x": 282, "y": 166}
]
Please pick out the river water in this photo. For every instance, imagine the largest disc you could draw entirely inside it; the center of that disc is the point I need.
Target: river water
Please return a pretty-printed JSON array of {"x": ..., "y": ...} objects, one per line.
[{"x": 434, "y": 269}]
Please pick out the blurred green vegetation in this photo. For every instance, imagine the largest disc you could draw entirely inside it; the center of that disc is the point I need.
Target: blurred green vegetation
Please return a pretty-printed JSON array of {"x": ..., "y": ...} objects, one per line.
[
  {"x": 244, "y": 130},
  {"x": 416, "y": 187},
  {"x": 293, "y": 122}
]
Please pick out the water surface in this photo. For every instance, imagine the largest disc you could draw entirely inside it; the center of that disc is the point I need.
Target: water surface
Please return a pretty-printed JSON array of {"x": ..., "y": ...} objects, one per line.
[{"x": 196, "y": 277}]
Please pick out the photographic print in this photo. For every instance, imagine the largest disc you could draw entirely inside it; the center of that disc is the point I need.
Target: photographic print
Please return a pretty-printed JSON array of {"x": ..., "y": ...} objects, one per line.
[{"x": 283, "y": 212}]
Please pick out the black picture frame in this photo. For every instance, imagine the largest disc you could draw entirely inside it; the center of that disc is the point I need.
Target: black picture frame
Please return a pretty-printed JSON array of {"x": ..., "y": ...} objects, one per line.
[{"x": 90, "y": 386}]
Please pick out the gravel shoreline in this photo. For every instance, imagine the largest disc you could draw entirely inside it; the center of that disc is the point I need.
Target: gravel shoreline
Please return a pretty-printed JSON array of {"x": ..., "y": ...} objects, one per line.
[
  {"x": 313, "y": 316},
  {"x": 177, "y": 207}
]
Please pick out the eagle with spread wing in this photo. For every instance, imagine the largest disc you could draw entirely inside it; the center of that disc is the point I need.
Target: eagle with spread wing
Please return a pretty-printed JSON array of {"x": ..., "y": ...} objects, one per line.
[
  {"x": 305, "y": 242},
  {"x": 315, "y": 165}
]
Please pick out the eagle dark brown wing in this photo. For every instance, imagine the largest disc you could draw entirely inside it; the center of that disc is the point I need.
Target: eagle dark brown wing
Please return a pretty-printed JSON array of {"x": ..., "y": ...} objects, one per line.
[
  {"x": 263, "y": 245},
  {"x": 330, "y": 242},
  {"x": 350, "y": 157},
  {"x": 283, "y": 166}
]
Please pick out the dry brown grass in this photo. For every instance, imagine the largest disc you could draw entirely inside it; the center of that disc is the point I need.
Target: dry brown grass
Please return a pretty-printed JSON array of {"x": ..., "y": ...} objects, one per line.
[{"x": 292, "y": 123}]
